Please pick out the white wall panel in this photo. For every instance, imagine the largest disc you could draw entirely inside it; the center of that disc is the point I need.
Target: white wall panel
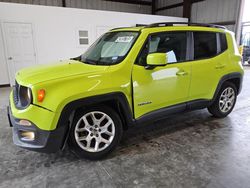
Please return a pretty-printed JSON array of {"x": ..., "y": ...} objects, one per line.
[{"x": 4, "y": 76}]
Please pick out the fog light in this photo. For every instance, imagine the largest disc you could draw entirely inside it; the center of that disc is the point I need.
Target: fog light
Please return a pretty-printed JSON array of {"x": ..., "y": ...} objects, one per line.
[
  {"x": 27, "y": 135},
  {"x": 24, "y": 122}
]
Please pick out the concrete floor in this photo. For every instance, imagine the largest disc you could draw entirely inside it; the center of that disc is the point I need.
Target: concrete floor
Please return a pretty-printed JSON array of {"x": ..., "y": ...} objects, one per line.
[{"x": 188, "y": 150}]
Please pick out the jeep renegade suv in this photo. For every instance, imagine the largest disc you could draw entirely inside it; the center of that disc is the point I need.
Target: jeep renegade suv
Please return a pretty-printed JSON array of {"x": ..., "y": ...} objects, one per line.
[{"x": 127, "y": 77}]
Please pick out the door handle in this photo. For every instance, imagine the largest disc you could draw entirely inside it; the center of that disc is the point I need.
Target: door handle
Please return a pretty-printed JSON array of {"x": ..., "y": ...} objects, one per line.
[
  {"x": 219, "y": 66},
  {"x": 9, "y": 58},
  {"x": 181, "y": 73}
]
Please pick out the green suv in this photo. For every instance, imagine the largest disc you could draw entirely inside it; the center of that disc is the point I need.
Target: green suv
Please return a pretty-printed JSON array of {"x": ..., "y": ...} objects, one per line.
[{"x": 129, "y": 76}]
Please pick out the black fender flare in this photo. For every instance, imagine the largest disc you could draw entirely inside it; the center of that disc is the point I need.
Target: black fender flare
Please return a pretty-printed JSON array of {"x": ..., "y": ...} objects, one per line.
[
  {"x": 226, "y": 78},
  {"x": 118, "y": 97}
]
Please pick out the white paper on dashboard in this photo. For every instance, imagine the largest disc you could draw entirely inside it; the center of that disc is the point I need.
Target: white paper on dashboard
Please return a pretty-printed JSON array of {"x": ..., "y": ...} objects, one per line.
[
  {"x": 126, "y": 39},
  {"x": 171, "y": 57}
]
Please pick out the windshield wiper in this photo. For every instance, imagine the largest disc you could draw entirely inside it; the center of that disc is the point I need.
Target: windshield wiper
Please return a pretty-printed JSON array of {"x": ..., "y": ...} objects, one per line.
[
  {"x": 76, "y": 58},
  {"x": 87, "y": 61}
]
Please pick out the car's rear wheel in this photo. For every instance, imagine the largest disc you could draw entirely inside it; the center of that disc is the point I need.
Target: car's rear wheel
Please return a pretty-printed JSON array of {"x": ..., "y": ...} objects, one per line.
[
  {"x": 225, "y": 101},
  {"x": 95, "y": 132}
]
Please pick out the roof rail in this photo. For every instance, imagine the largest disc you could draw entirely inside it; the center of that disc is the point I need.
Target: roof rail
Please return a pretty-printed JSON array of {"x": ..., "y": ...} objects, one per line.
[
  {"x": 119, "y": 28},
  {"x": 137, "y": 25},
  {"x": 164, "y": 24}
]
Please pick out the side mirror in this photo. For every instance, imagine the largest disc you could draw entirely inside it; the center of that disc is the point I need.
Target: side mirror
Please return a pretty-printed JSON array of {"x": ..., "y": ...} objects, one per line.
[{"x": 156, "y": 59}]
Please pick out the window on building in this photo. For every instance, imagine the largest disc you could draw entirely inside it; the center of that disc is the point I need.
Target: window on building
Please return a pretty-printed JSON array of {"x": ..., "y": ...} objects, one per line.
[{"x": 83, "y": 37}]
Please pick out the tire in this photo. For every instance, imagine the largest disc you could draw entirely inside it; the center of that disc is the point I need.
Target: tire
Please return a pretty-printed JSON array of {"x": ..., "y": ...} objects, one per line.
[
  {"x": 95, "y": 132},
  {"x": 222, "y": 109}
]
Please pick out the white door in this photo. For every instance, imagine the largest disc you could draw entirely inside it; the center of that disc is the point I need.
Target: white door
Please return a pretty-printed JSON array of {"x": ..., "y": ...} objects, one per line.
[{"x": 20, "y": 50}]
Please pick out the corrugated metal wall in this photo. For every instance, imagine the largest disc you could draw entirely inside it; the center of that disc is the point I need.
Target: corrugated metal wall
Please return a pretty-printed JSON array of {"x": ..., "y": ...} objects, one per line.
[
  {"x": 90, "y": 4},
  {"x": 170, "y": 12},
  {"x": 212, "y": 11},
  {"x": 36, "y": 2},
  {"x": 107, "y": 5},
  {"x": 208, "y": 11}
]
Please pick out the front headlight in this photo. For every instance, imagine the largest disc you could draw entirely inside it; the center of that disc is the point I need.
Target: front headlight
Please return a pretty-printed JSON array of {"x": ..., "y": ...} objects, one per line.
[
  {"x": 22, "y": 96},
  {"x": 25, "y": 96}
]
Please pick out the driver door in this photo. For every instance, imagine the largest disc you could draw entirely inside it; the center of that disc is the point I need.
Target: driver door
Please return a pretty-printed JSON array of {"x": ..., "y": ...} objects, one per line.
[{"x": 162, "y": 86}]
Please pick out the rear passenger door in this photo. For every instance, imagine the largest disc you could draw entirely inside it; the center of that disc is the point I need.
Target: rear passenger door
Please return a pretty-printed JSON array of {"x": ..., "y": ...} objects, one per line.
[{"x": 207, "y": 63}]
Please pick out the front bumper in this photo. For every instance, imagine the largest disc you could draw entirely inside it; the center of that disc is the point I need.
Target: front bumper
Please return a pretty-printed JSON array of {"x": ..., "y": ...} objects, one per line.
[{"x": 44, "y": 141}]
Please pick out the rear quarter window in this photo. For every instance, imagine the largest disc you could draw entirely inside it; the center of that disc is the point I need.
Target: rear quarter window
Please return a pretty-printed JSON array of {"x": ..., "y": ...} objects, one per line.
[
  {"x": 205, "y": 45},
  {"x": 223, "y": 42}
]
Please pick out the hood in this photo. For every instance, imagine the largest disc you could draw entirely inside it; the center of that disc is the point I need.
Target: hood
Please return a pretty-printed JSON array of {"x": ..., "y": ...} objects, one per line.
[{"x": 62, "y": 69}]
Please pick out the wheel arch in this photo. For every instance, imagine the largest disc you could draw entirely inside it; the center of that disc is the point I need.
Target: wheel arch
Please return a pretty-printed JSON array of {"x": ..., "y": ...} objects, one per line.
[
  {"x": 116, "y": 100},
  {"x": 235, "y": 78}
]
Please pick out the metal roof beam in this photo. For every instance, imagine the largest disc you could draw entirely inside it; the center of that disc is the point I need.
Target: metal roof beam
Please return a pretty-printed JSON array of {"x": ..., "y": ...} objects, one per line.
[
  {"x": 176, "y": 5},
  {"x": 135, "y": 2}
]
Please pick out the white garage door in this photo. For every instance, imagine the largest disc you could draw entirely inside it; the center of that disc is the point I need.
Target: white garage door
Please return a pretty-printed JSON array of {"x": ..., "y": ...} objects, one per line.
[{"x": 20, "y": 50}]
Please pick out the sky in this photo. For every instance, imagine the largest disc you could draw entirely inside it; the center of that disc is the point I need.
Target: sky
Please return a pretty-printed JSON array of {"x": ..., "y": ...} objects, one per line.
[{"x": 246, "y": 13}]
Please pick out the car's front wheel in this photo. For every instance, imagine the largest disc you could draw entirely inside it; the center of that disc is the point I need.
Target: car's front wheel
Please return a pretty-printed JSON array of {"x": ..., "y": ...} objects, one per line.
[
  {"x": 95, "y": 132},
  {"x": 225, "y": 101}
]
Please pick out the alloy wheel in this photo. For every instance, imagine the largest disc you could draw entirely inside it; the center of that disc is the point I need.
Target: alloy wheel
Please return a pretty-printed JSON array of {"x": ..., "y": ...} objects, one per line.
[
  {"x": 94, "y": 131},
  {"x": 227, "y": 99}
]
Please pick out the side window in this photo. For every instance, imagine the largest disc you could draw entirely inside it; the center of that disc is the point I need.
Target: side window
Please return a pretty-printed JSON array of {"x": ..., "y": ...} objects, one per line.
[
  {"x": 223, "y": 42},
  {"x": 174, "y": 44},
  {"x": 205, "y": 45}
]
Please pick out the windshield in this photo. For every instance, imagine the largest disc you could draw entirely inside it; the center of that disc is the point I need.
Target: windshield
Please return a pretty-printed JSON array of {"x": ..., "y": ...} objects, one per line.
[{"x": 110, "y": 49}]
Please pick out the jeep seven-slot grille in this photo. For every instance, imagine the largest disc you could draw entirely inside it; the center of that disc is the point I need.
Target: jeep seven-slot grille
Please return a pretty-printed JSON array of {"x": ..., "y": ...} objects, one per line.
[{"x": 15, "y": 93}]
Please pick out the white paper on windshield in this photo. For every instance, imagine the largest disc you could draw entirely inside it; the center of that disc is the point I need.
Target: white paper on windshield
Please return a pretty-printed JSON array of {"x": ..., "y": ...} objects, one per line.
[{"x": 126, "y": 39}]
